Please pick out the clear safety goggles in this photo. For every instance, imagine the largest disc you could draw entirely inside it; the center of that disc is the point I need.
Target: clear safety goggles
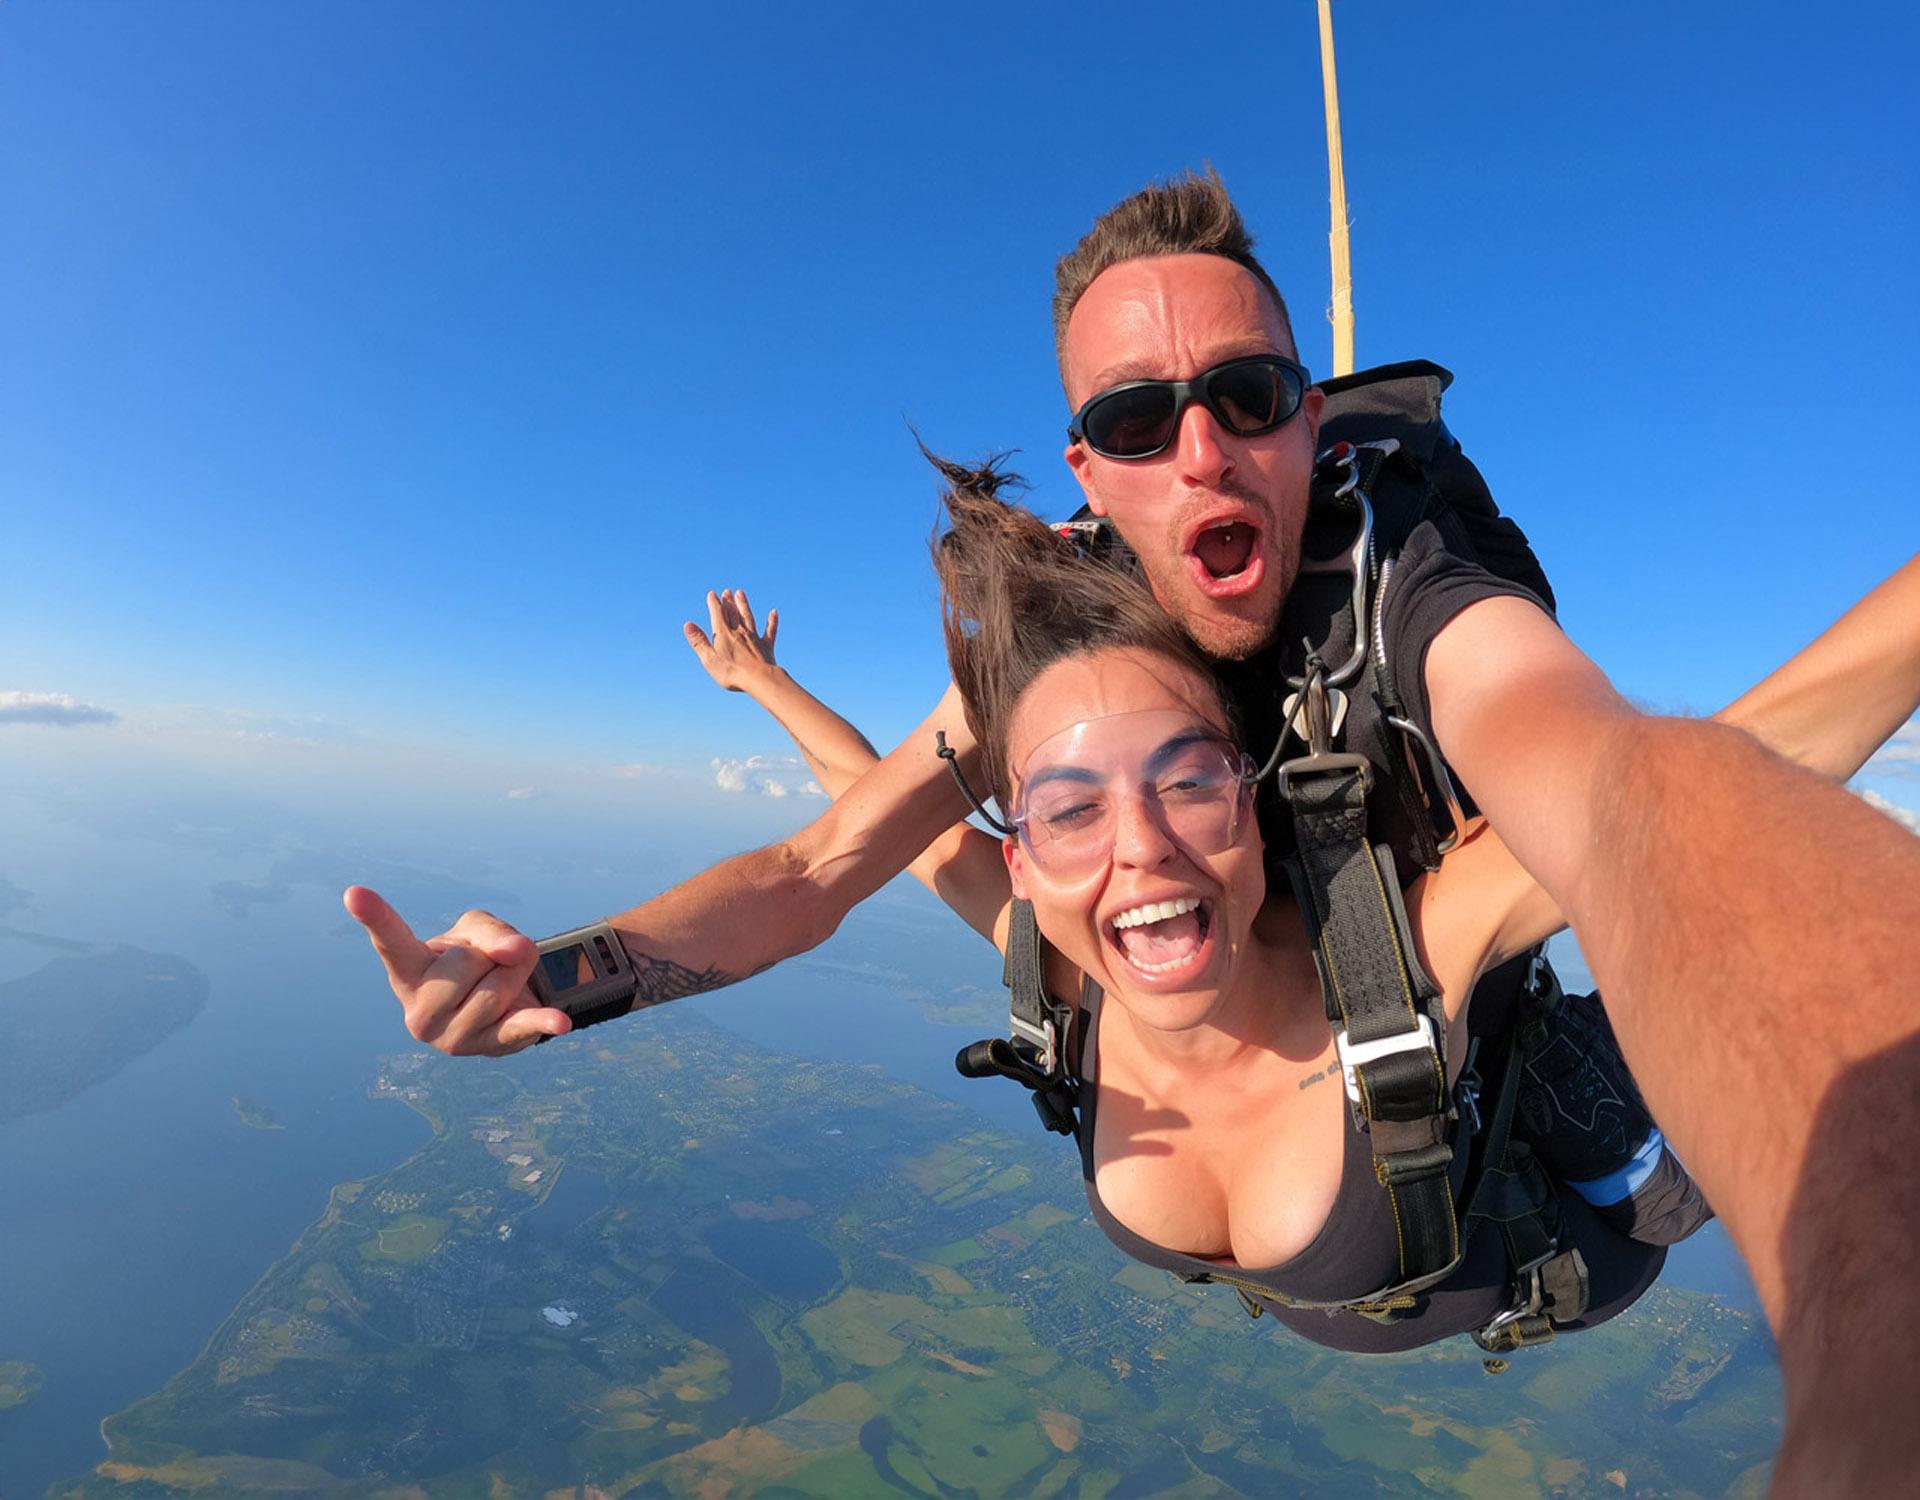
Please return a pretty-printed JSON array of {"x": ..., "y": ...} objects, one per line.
[{"x": 1191, "y": 782}]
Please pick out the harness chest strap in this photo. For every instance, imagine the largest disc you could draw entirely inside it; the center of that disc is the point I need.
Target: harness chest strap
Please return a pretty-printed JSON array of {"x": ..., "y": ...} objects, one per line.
[{"x": 1385, "y": 1012}]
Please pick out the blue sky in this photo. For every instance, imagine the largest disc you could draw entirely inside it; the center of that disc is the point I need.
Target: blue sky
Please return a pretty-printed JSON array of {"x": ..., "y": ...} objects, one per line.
[{"x": 407, "y": 372}]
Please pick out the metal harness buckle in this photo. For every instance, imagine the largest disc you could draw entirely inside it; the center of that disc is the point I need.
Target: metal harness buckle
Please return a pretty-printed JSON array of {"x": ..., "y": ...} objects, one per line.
[
  {"x": 1530, "y": 1299},
  {"x": 1355, "y": 561},
  {"x": 1323, "y": 708},
  {"x": 1044, "y": 1039}
]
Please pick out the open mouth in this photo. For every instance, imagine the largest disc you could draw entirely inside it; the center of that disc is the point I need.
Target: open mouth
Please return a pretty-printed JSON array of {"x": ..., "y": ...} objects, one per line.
[
  {"x": 1163, "y": 938},
  {"x": 1225, "y": 559}
]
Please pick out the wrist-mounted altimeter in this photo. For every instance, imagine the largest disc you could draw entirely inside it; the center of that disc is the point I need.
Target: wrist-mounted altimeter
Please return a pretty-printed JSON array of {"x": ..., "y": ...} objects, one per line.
[{"x": 586, "y": 973}]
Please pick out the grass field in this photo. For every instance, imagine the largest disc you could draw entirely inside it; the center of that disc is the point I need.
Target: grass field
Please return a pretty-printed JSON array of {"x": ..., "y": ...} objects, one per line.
[{"x": 410, "y": 1237}]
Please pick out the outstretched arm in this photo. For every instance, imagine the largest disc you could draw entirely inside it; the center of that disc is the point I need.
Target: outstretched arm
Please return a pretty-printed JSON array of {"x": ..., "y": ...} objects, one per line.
[
  {"x": 1835, "y": 703},
  {"x": 1828, "y": 708},
  {"x": 465, "y": 991},
  {"x": 739, "y": 658},
  {"x": 1752, "y": 927},
  {"x": 962, "y": 866}
]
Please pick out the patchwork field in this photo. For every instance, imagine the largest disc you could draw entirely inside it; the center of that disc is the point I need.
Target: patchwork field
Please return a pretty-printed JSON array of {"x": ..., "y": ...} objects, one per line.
[{"x": 676, "y": 1265}]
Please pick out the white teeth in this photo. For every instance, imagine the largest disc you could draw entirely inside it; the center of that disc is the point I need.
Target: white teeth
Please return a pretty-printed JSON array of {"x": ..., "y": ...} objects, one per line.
[{"x": 1155, "y": 911}]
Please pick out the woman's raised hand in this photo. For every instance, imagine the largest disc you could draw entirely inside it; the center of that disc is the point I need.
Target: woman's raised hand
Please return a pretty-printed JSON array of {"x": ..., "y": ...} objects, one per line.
[{"x": 736, "y": 653}]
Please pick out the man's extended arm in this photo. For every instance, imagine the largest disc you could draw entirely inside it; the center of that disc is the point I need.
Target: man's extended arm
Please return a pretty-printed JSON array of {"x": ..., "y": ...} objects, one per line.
[
  {"x": 1828, "y": 707},
  {"x": 1751, "y": 926},
  {"x": 749, "y": 913},
  {"x": 465, "y": 991}
]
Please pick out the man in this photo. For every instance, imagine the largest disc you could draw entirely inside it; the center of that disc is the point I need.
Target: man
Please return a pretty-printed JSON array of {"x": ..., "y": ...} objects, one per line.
[{"x": 1747, "y": 922}]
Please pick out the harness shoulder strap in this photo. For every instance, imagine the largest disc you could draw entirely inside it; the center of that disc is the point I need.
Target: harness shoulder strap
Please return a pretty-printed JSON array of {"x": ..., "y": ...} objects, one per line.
[
  {"x": 1388, "y": 1024},
  {"x": 1035, "y": 1054},
  {"x": 1385, "y": 1012}
]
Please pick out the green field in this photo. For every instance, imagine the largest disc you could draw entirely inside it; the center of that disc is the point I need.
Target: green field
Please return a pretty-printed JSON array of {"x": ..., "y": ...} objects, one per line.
[
  {"x": 409, "y": 1237},
  {"x": 908, "y": 1304}
]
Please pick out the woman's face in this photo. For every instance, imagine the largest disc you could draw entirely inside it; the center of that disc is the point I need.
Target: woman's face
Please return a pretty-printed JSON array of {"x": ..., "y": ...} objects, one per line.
[{"x": 1141, "y": 852}]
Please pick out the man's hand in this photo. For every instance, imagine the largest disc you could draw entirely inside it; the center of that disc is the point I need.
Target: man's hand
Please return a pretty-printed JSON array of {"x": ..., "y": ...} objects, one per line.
[
  {"x": 465, "y": 991},
  {"x": 738, "y": 655}
]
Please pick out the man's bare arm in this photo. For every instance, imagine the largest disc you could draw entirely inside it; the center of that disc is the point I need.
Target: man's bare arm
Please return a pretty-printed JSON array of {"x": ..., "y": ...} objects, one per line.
[
  {"x": 752, "y": 911},
  {"x": 465, "y": 991},
  {"x": 1751, "y": 925},
  {"x": 1828, "y": 707},
  {"x": 756, "y": 909}
]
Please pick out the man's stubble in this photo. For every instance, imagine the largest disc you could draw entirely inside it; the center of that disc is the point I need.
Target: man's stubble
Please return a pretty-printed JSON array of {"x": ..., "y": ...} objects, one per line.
[{"x": 1226, "y": 636}]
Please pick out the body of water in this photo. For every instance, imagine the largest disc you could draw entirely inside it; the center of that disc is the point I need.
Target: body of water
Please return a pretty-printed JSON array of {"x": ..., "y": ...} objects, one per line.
[
  {"x": 574, "y": 1199},
  {"x": 786, "y": 1260},
  {"x": 139, "y": 1213},
  {"x": 704, "y": 1301}
]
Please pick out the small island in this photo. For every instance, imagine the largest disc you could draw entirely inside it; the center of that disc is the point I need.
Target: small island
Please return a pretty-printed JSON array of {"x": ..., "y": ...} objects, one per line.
[
  {"x": 254, "y": 1114},
  {"x": 80, "y": 1019},
  {"x": 19, "y": 1380}
]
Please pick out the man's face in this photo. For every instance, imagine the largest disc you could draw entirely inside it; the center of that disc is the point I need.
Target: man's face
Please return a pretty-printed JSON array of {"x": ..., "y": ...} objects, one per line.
[{"x": 1216, "y": 519}]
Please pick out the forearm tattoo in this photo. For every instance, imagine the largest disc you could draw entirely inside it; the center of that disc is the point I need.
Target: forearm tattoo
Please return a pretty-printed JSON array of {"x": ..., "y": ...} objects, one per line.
[{"x": 661, "y": 979}]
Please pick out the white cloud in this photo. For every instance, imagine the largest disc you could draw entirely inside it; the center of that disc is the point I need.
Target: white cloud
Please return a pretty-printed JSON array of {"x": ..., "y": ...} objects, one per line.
[
  {"x": 1905, "y": 816},
  {"x": 246, "y": 726},
  {"x": 765, "y": 776},
  {"x": 520, "y": 793},
  {"x": 634, "y": 770},
  {"x": 1900, "y": 756},
  {"x": 61, "y": 709}
]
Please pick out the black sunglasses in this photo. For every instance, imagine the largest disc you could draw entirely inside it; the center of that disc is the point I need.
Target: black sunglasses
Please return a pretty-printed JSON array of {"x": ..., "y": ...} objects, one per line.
[{"x": 1139, "y": 419}]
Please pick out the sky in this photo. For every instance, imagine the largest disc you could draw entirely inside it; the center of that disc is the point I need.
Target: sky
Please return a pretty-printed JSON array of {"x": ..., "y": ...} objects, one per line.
[{"x": 386, "y": 383}]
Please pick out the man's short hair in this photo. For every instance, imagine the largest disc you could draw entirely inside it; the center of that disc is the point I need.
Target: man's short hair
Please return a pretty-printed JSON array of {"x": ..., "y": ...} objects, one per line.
[{"x": 1186, "y": 215}]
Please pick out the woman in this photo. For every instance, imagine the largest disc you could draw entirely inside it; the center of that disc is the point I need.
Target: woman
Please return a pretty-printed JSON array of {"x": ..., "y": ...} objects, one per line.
[{"x": 1213, "y": 1129}]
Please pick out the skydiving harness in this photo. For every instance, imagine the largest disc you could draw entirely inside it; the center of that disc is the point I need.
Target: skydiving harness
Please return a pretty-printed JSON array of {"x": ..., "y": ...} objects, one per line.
[{"x": 1386, "y": 1013}]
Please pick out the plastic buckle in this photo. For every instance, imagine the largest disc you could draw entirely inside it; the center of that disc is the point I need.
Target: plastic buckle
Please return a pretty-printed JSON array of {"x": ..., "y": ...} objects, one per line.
[
  {"x": 1336, "y": 714},
  {"x": 1353, "y": 1054}
]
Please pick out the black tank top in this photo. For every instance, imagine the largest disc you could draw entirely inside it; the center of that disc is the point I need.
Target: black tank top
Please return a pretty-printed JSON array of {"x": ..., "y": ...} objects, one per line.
[{"x": 1356, "y": 1252}]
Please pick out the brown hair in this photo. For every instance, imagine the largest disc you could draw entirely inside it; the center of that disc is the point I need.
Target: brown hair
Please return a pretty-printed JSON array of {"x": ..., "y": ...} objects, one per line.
[
  {"x": 1186, "y": 215},
  {"x": 1017, "y": 597}
]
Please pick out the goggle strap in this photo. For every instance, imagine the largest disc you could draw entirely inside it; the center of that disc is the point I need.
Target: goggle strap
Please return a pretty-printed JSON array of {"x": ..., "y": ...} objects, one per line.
[{"x": 952, "y": 757}]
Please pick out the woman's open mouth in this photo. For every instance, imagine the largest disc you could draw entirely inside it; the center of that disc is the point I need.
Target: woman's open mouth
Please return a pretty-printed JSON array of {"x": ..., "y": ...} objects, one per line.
[
  {"x": 1225, "y": 560},
  {"x": 1160, "y": 939}
]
